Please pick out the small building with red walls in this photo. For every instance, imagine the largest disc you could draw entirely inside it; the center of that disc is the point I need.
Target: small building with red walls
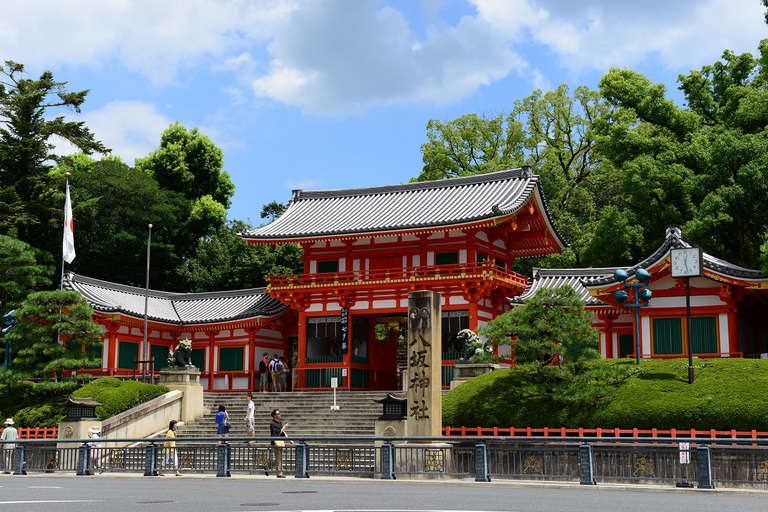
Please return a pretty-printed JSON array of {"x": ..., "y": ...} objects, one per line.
[{"x": 728, "y": 306}]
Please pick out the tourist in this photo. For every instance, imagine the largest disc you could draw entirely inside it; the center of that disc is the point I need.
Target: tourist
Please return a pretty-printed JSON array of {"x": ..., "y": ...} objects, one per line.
[
  {"x": 9, "y": 434},
  {"x": 94, "y": 446},
  {"x": 222, "y": 422},
  {"x": 250, "y": 425},
  {"x": 277, "y": 429},
  {"x": 284, "y": 375},
  {"x": 275, "y": 369},
  {"x": 169, "y": 449},
  {"x": 264, "y": 372}
]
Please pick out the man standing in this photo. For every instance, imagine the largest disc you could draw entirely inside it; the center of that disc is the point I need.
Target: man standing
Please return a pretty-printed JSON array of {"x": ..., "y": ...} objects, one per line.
[
  {"x": 9, "y": 434},
  {"x": 277, "y": 430},
  {"x": 275, "y": 369},
  {"x": 264, "y": 372},
  {"x": 250, "y": 427}
]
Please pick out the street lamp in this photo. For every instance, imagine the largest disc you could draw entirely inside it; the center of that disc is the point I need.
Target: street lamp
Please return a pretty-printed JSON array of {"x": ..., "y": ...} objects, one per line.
[{"x": 641, "y": 297}]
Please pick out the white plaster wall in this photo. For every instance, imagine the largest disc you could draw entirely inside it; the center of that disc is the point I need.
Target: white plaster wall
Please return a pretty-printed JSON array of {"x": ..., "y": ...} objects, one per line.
[
  {"x": 679, "y": 302},
  {"x": 645, "y": 335},
  {"x": 722, "y": 325},
  {"x": 458, "y": 299},
  {"x": 383, "y": 304}
]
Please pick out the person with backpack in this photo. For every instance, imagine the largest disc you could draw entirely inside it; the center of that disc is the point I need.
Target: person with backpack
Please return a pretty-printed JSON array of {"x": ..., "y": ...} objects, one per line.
[
  {"x": 275, "y": 369},
  {"x": 264, "y": 372},
  {"x": 284, "y": 374}
]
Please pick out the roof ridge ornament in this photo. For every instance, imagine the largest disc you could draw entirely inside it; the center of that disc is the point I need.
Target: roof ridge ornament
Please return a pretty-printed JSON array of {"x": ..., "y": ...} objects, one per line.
[{"x": 673, "y": 231}]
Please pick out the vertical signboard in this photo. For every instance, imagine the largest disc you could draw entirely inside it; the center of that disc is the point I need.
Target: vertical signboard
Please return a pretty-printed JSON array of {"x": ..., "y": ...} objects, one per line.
[
  {"x": 425, "y": 416},
  {"x": 344, "y": 330}
]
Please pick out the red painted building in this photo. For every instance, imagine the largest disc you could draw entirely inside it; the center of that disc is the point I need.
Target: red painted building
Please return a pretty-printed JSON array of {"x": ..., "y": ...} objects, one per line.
[{"x": 365, "y": 249}]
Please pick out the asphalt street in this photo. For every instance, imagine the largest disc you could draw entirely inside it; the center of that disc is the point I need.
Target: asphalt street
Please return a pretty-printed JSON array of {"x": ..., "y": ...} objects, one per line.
[{"x": 68, "y": 493}]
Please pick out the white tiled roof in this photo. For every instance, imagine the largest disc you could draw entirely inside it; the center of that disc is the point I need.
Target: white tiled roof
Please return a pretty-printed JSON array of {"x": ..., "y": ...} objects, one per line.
[
  {"x": 557, "y": 277},
  {"x": 175, "y": 308},
  {"x": 403, "y": 207}
]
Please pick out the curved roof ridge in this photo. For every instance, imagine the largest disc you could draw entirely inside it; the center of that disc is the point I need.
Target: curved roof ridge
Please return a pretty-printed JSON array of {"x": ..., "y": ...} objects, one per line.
[
  {"x": 461, "y": 181},
  {"x": 172, "y": 307}
]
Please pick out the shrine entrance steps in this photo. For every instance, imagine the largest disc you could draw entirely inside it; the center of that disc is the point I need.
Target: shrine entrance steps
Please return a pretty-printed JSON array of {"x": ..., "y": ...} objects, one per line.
[{"x": 308, "y": 413}]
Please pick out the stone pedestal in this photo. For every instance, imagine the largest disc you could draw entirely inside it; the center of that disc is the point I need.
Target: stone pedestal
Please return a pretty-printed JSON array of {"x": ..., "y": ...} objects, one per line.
[
  {"x": 188, "y": 382},
  {"x": 462, "y": 371}
]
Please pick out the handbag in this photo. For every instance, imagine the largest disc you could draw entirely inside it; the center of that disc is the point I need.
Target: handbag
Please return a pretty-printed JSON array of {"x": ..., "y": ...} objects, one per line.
[{"x": 226, "y": 422}]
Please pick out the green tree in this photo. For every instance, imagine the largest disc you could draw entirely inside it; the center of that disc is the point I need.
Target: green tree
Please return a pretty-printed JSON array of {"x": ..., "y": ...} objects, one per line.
[
  {"x": 111, "y": 233},
  {"x": 20, "y": 272},
  {"x": 55, "y": 333},
  {"x": 470, "y": 145},
  {"x": 554, "y": 133},
  {"x": 30, "y": 202},
  {"x": 703, "y": 167},
  {"x": 272, "y": 210},
  {"x": 226, "y": 262},
  {"x": 190, "y": 163},
  {"x": 553, "y": 334}
]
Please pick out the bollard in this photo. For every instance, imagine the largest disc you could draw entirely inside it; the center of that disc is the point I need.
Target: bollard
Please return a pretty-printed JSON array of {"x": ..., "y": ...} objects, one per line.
[
  {"x": 302, "y": 460},
  {"x": 20, "y": 460},
  {"x": 481, "y": 463},
  {"x": 82, "y": 460},
  {"x": 223, "y": 460},
  {"x": 704, "y": 467},
  {"x": 150, "y": 463},
  {"x": 388, "y": 461},
  {"x": 586, "y": 467}
]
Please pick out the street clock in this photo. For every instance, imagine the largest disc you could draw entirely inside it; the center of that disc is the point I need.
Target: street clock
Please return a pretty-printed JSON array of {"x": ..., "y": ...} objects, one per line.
[{"x": 686, "y": 262}]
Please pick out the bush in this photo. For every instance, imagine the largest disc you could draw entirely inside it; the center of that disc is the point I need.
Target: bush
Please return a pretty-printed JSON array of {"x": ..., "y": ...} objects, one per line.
[
  {"x": 726, "y": 394},
  {"x": 36, "y": 404},
  {"x": 118, "y": 396}
]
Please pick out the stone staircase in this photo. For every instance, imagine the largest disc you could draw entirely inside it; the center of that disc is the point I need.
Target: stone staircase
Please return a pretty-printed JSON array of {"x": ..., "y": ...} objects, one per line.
[{"x": 308, "y": 413}]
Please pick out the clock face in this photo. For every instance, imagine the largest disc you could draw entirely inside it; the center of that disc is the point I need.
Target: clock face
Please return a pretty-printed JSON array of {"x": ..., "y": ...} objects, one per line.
[{"x": 686, "y": 262}]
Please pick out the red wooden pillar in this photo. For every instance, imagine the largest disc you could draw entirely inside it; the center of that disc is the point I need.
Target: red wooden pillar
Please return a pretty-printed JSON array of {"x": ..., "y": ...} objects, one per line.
[{"x": 301, "y": 360}]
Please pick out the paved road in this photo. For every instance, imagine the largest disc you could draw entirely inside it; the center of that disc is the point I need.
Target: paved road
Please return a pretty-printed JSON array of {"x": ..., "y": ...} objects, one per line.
[{"x": 65, "y": 493}]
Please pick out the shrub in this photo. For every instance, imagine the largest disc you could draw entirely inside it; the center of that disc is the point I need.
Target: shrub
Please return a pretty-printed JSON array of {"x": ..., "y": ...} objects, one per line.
[
  {"x": 726, "y": 394},
  {"x": 118, "y": 396}
]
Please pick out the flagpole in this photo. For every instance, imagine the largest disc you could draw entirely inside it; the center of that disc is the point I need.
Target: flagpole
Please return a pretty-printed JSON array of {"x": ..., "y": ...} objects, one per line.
[{"x": 68, "y": 243}]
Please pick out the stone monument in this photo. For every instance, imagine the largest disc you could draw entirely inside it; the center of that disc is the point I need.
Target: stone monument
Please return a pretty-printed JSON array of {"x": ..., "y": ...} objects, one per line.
[{"x": 424, "y": 343}]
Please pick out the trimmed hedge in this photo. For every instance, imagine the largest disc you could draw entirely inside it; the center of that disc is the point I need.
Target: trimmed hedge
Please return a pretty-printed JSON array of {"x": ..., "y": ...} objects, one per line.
[
  {"x": 118, "y": 396},
  {"x": 726, "y": 394},
  {"x": 33, "y": 404}
]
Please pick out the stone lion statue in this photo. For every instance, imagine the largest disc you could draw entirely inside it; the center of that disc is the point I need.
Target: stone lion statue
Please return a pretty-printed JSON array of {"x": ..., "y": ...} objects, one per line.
[
  {"x": 471, "y": 341},
  {"x": 182, "y": 356}
]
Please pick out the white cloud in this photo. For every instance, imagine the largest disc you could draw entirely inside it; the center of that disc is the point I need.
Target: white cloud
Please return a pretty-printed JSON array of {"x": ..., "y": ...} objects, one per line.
[
  {"x": 153, "y": 38},
  {"x": 597, "y": 34},
  {"x": 132, "y": 129},
  {"x": 336, "y": 58}
]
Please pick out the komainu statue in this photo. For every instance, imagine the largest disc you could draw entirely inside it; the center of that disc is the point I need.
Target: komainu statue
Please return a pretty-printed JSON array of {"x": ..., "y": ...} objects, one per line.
[{"x": 182, "y": 356}]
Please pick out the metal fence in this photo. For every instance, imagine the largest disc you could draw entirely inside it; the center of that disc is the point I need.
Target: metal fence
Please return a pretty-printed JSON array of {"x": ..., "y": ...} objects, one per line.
[{"x": 693, "y": 462}]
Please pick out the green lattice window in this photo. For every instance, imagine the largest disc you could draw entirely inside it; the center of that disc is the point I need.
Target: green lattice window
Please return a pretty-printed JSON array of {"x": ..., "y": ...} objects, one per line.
[
  {"x": 231, "y": 359},
  {"x": 704, "y": 335},
  {"x": 446, "y": 258},
  {"x": 160, "y": 353},
  {"x": 198, "y": 358},
  {"x": 626, "y": 345},
  {"x": 127, "y": 351},
  {"x": 327, "y": 266},
  {"x": 667, "y": 336}
]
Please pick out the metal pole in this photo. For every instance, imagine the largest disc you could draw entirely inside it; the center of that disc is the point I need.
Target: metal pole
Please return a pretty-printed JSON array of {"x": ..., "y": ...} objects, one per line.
[
  {"x": 145, "y": 345},
  {"x": 688, "y": 328}
]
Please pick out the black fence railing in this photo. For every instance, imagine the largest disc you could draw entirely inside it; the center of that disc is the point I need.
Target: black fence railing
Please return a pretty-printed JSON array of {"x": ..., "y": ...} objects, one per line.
[{"x": 693, "y": 462}]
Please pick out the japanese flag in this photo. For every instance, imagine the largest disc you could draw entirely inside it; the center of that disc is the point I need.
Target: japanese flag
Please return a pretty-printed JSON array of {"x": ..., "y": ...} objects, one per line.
[{"x": 68, "y": 251}]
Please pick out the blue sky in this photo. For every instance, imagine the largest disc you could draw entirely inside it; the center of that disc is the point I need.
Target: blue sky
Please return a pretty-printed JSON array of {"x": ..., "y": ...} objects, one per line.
[{"x": 326, "y": 94}]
